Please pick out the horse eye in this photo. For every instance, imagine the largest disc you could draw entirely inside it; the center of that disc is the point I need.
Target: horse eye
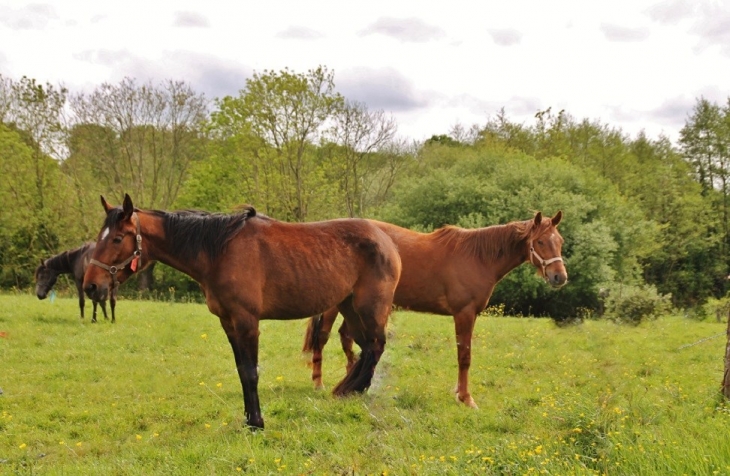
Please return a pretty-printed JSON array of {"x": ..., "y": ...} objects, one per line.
[
  {"x": 118, "y": 239},
  {"x": 539, "y": 242}
]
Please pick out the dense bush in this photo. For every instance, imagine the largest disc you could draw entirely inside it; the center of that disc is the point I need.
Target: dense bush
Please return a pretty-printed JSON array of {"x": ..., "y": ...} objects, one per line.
[{"x": 633, "y": 304}]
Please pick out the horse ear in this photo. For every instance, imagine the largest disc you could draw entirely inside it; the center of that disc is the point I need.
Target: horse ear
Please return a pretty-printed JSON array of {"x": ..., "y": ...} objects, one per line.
[
  {"x": 538, "y": 218},
  {"x": 127, "y": 206},
  {"x": 105, "y": 204},
  {"x": 556, "y": 219}
]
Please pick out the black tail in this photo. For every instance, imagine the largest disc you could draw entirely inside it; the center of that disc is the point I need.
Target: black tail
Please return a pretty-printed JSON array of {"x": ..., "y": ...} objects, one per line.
[
  {"x": 359, "y": 378},
  {"x": 311, "y": 335}
]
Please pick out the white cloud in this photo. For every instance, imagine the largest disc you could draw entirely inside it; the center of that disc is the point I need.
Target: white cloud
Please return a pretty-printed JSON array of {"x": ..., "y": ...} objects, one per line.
[
  {"x": 190, "y": 20},
  {"x": 506, "y": 36},
  {"x": 622, "y": 33},
  {"x": 404, "y": 29},
  {"x": 384, "y": 88},
  {"x": 34, "y": 16},
  {"x": 299, "y": 33}
]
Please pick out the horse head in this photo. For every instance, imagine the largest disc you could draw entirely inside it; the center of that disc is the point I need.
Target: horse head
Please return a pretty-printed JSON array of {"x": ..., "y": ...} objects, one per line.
[
  {"x": 545, "y": 246},
  {"x": 118, "y": 250},
  {"x": 45, "y": 278}
]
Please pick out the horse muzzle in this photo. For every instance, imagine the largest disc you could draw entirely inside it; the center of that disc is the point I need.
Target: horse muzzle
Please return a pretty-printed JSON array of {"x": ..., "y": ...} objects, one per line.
[{"x": 556, "y": 280}]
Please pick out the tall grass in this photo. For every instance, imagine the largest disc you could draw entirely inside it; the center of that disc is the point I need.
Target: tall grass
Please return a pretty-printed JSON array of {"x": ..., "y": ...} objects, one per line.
[{"x": 157, "y": 393}]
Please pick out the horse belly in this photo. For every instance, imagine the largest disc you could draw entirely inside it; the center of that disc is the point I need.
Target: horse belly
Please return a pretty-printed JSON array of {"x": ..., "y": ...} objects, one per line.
[
  {"x": 304, "y": 298},
  {"x": 421, "y": 291}
]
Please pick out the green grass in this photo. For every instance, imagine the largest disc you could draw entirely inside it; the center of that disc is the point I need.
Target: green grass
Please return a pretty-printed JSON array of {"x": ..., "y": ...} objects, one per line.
[{"x": 157, "y": 393}]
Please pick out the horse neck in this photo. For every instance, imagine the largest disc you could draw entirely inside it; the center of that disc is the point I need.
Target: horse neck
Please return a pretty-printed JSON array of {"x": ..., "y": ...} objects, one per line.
[
  {"x": 503, "y": 247},
  {"x": 61, "y": 263},
  {"x": 156, "y": 247}
]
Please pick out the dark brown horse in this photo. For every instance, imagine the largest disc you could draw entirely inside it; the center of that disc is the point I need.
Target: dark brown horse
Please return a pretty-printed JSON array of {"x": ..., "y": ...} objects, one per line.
[
  {"x": 453, "y": 271},
  {"x": 252, "y": 267},
  {"x": 73, "y": 262}
]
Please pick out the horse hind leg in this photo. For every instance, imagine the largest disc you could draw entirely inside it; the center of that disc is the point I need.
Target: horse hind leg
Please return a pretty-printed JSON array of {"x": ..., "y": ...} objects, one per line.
[
  {"x": 103, "y": 309},
  {"x": 315, "y": 338},
  {"x": 346, "y": 341},
  {"x": 366, "y": 318}
]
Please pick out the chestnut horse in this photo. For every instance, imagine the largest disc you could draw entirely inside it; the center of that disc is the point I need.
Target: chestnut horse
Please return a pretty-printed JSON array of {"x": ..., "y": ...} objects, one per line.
[
  {"x": 453, "y": 271},
  {"x": 73, "y": 262},
  {"x": 251, "y": 267}
]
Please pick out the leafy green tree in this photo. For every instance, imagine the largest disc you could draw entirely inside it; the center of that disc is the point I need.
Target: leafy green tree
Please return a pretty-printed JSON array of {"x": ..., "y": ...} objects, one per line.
[
  {"x": 35, "y": 220},
  {"x": 650, "y": 174},
  {"x": 358, "y": 145},
  {"x": 35, "y": 111},
  {"x": 136, "y": 139},
  {"x": 286, "y": 113},
  {"x": 701, "y": 144},
  {"x": 29, "y": 231}
]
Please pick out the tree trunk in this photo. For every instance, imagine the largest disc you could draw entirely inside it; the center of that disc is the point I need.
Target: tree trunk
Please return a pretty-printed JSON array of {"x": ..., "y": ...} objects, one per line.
[{"x": 145, "y": 279}]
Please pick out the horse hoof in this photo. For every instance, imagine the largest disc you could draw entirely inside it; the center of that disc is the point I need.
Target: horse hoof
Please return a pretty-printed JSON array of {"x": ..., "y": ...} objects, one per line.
[
  {"x": 255, "y": 424},
  {"x": 319, "y": 386},
  {"x": 468, "y": 401}
]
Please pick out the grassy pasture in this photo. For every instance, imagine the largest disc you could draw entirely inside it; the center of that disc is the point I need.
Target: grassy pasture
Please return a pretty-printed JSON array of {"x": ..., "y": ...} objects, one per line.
[{"x": 157, "y": 393}]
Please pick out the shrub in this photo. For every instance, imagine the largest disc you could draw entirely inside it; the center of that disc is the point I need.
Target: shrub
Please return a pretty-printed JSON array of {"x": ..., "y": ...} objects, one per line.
[
  {"x": 633, "y": 304},
  {"x": 715, "y": 308}
]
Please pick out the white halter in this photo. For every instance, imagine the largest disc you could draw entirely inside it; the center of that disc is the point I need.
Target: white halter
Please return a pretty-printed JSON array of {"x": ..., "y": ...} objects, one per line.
[{"x": 544, "y": 263}]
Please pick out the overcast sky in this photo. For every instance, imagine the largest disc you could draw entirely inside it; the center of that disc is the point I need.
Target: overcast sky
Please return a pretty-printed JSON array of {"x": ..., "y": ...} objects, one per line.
[{"x": 632, "y": 64}]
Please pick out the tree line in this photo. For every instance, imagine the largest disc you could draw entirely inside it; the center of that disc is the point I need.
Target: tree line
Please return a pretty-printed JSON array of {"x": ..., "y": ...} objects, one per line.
[{"x": 640, "y": 213}]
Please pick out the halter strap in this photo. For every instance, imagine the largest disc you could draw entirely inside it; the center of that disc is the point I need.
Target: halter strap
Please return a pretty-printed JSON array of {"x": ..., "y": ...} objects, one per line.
[
  {"x": 544, "y": 263},
  {"x": 137, "y": 254}
]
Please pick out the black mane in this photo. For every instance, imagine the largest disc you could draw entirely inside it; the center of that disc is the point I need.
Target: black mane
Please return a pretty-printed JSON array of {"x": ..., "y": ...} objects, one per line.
[
  {"x": 189, "y": 232},
  {"x": 63, "y": 262}
]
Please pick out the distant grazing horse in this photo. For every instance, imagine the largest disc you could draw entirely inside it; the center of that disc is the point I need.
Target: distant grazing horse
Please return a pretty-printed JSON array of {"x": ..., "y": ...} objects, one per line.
[
  {"x": 453, "y": 271},
  {"x": 252, "y": 267},
  {"x": 73, "y": 262}
]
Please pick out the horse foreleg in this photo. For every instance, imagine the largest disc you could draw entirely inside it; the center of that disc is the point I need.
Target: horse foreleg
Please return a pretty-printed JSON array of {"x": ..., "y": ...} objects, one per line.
[
  {"x": 103, "y": 309},
  {"x": 464, "y": 324},
  {"x": 245, "y": 345},
  {"x": 94, "y": 303},
  {"x": 81, "y": 298},
  {"x": 113, "y": 303}
]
